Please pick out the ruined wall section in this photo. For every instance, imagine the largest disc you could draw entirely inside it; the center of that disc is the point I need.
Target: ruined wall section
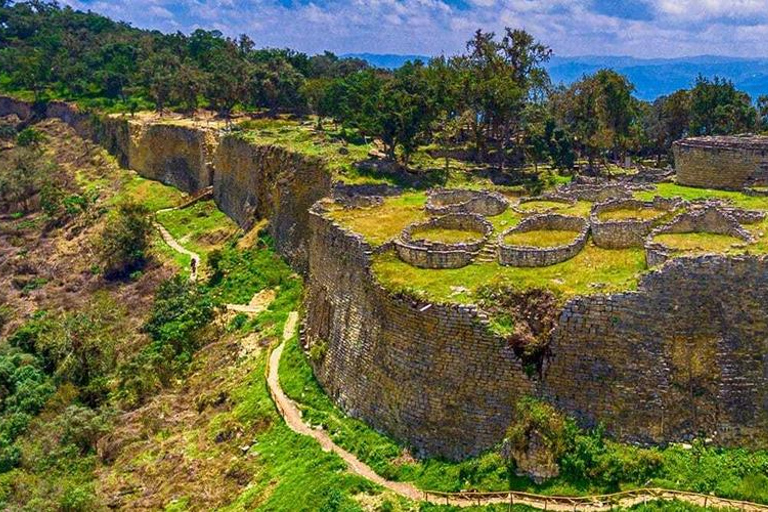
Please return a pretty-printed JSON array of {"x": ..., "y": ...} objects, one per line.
[
  {"x": 254, "y": 182},
  {"x": 686, "y": 355},
  {"x": 432, "y": 376}
]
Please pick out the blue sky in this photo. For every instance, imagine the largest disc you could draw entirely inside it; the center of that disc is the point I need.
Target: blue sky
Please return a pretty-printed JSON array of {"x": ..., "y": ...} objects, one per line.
[{"x": 640, "y": 28}]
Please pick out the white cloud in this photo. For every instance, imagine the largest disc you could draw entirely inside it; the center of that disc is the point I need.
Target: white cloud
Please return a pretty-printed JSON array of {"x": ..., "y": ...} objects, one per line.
[{"x": 571, "y": 27}]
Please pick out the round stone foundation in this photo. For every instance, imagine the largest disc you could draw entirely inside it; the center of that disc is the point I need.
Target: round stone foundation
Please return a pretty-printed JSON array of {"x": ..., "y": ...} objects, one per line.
[
  {"x": 629, "y": 232},
  {"x": 532, "y": 256},
  {"x": 439, "y": 255}
]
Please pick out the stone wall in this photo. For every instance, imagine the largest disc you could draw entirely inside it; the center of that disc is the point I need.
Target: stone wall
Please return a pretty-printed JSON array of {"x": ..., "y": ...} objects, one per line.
[
  {"x": 730, "y": 163},
  {"x": 429, "y": 254},
  {"x": 685, "y": 355},
  {"x": 621, "y": 234},
  {"x": 449, "y": 201},
  {"x": 531, "y": 256},
  {"x": 430, "y": 375},
  {"x": 254, "y": 182},
  {"x": 251, "y": 182},
  {"x": 702, "y": 219}
]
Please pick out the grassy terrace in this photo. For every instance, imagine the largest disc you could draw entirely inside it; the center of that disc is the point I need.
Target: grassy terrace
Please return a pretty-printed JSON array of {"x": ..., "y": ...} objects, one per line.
[
  {"x": 448, "y": 236},
  {"x": 594, "y": 270},
  {"x": 699, "y": 242}
]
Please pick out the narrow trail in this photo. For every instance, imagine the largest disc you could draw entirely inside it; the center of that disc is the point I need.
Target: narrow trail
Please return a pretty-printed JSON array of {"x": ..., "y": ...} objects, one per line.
[
  {"x": 292, "y": 415},
  {"x": 176, "y": 246}
]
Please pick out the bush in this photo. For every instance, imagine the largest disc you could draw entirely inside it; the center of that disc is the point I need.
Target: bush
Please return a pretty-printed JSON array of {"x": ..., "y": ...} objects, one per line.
[
  {"x": 179, "y": 324},
  {"x": 30, "y": 137},
  {"x": 590, "y": 457},
  {"x": 122, "y": 246}
]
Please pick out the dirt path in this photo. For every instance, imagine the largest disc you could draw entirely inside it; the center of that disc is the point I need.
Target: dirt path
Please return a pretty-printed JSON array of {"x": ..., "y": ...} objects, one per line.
[
  {"x": 292, "y": 416},
  {"x": 176, "y": 246}
]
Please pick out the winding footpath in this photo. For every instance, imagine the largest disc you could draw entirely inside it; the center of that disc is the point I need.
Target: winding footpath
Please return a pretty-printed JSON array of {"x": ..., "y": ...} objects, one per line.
[{"x": 291, "y": 414}]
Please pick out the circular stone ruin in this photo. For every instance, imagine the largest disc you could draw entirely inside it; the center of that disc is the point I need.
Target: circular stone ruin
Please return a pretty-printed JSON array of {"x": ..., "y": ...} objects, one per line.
[
  {"x": 451, "y": 241},
  {"x": 623, "y": 223},
  {"x": 449, "y": 201},
  {"x": 708, "y": 229},
  {"x": 542, "y": 204},
  {"x": 543, "y": 240}
]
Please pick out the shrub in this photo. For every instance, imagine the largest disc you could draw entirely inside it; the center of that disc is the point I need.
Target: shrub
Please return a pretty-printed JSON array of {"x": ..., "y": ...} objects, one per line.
[
  {"x": 180, "y": 322},
  {"x": 30, "y": 137},
  {"x": 123, "y": 244}
]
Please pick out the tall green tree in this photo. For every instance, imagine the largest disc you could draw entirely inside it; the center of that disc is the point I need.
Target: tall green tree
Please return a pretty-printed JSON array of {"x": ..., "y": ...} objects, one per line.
[{"x": 717, "y": 108}]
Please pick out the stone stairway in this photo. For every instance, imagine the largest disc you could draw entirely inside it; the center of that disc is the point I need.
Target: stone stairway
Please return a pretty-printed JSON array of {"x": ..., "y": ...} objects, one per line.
[{"x": 488, "y": 254}]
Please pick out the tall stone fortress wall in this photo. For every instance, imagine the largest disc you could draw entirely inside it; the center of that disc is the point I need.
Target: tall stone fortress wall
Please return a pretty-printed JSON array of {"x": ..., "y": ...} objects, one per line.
[
  {"x": 686, "y": 354},
  {"x": 433, "y": 376},
  {"x": 724, "y": 162},
  {"x": 250, "y": 181}
]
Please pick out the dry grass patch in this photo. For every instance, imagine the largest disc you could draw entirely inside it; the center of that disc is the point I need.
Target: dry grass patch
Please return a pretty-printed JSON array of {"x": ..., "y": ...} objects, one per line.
[
  {"x": 383, "y": 223},
  {"x": 542, "y": 206},
  {"x": 631, "y": 214}
]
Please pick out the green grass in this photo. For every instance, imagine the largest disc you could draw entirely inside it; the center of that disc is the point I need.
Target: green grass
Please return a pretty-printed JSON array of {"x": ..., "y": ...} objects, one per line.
[
  {"x": 542, "y": 206},
  {"x": 383, "y": 223},
  {"x": 670, "y": 190},
  {"x": 152, "y": 194},
  {"x": 200, "y": 228},
  {"x": 448, "y": 236},
  {"x": 698, "y": 242},
  {"x": 734, "y": 473},
  {"x": 594, "y": 270},
  {"x": 541, "y": 238},
  {"x": 631, "y": 214}
]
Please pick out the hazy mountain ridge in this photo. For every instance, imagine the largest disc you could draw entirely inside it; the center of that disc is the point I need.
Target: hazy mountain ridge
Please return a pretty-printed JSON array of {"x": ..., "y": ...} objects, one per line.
[{"x": 652, "y": 77}]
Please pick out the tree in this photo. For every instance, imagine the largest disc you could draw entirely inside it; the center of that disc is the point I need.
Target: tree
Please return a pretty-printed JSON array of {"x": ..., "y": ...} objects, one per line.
[
  {"x": 497, "y": 79},
  {"x": 666, "y": 121},
  {"x": 601, "y": 112},
  {"x": 717, "y": 108},
  {"x": 160, "y": 74},
  {"x": 22, "y": 176},
  {"x": 762, "y": 110},
  {"x": 123, "y": 243}
]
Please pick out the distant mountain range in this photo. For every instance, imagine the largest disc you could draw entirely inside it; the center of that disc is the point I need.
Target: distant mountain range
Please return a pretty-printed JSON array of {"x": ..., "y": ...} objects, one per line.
[{"x": 652, "y": 77}]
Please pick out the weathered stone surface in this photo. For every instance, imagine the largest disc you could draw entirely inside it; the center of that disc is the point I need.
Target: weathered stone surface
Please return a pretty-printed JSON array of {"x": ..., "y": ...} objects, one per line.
[
  {"x": 730, "y": 163},
  {"x": 685, "y": 355},
  {"x": 255, "y": 182}
]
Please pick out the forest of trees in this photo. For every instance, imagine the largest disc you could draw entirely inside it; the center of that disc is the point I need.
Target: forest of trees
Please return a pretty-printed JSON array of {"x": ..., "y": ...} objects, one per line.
[{"x": 495, "y": 101}]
